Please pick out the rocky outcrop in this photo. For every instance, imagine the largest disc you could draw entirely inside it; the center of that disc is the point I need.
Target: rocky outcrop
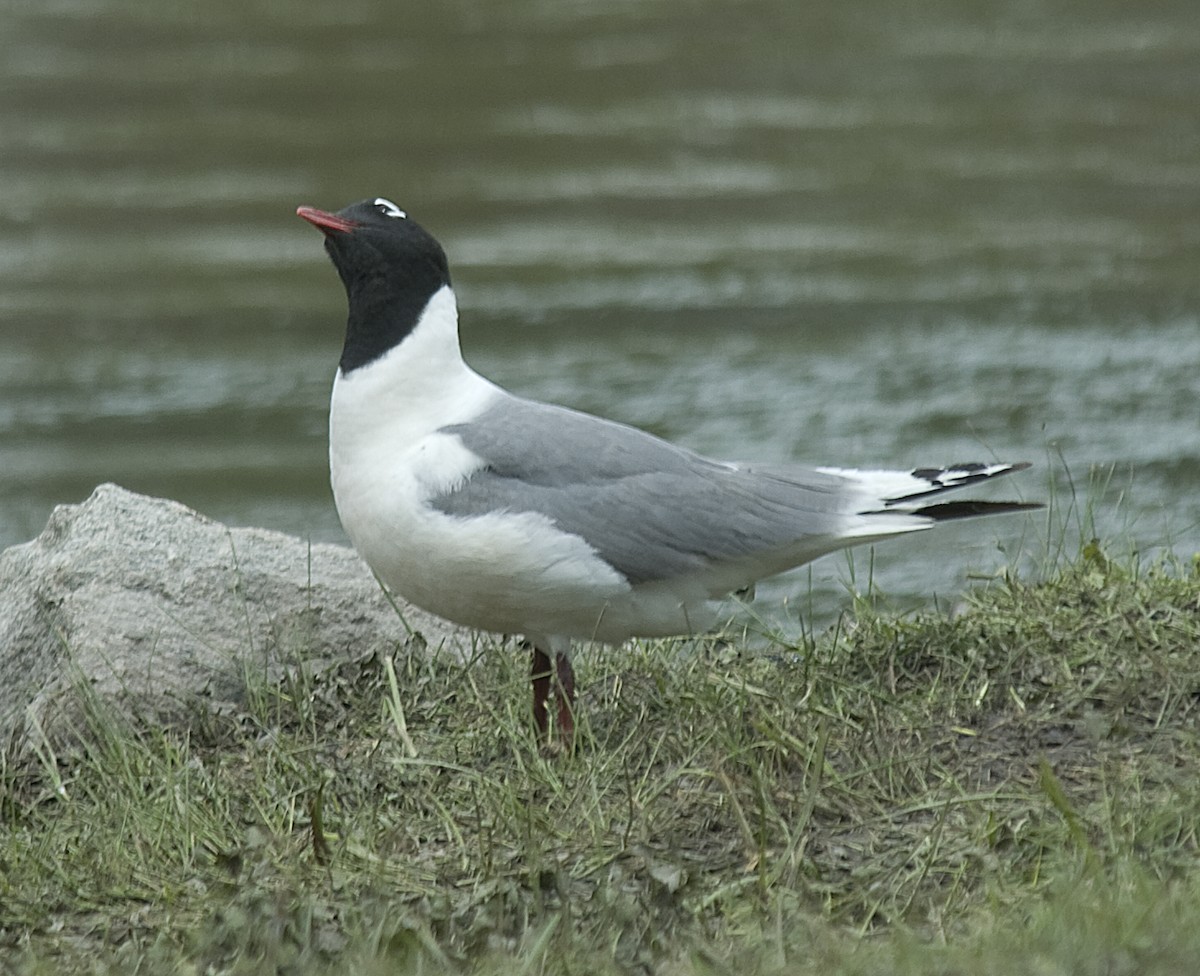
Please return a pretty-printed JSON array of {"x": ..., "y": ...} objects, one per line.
[{"x": 156, "y": 608}]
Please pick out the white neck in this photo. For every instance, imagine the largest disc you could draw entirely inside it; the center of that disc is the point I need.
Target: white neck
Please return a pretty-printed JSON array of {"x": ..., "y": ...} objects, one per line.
[{"x": 413, "y": 389}]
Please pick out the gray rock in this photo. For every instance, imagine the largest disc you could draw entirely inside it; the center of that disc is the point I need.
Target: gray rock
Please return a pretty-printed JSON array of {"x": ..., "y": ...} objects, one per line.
[{"x": 156, "y": 608}]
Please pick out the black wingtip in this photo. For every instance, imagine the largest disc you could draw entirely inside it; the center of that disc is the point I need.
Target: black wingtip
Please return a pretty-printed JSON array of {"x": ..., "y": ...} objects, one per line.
[{"x": 948, "y": 511}]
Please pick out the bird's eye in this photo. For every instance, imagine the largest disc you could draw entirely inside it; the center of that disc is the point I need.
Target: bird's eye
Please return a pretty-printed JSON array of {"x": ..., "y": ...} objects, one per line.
[{"x": 387, "y": 208}]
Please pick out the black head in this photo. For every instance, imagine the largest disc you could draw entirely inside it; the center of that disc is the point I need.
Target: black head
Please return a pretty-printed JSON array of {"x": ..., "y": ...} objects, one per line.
[{"x": 391, "y": 267}]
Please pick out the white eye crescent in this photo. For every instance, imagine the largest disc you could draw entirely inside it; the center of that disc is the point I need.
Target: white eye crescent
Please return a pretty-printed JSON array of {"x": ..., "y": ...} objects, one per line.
[{"x": 387, "y": 208}]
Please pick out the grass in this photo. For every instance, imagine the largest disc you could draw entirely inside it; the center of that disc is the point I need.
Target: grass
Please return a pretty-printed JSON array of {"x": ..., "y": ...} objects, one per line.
[{"x": 1011, "y": 790}]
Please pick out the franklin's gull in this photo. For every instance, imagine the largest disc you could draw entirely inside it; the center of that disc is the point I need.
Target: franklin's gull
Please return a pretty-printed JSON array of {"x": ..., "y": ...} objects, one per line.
[{"x": 509, "y": 515}]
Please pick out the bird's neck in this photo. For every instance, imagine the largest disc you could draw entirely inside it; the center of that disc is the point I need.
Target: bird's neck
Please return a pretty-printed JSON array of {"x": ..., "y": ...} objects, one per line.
[
  {"x": 419, "y": 384},
  {"x": 384, "y": 312}
]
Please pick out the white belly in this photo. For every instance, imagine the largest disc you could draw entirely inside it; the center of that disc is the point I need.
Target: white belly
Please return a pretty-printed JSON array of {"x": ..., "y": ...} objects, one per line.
[{"x": 503, "y": 572}]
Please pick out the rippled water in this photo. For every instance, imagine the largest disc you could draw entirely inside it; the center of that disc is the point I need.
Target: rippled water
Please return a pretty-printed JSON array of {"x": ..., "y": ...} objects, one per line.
[{"x": 859, "y": 234}]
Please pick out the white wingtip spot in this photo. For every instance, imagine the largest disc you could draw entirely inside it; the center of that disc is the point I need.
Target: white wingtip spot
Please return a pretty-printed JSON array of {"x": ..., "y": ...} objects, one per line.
[{"x": 388, "y": 208}]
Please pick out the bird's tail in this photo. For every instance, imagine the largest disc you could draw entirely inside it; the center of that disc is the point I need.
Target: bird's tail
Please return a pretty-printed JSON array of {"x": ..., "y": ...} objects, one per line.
[{"x": 909, "y": 492}]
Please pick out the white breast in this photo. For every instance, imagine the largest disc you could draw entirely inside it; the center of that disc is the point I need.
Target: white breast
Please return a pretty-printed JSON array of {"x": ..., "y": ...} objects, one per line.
[{"x": 502, "y": 572}]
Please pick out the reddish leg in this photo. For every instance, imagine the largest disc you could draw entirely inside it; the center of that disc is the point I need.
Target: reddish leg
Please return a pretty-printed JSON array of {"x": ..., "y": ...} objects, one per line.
[
  {"x": 566, "y": 700},
  {"x": 540, "y": 673},
  {"x": 559, "y": 678}
]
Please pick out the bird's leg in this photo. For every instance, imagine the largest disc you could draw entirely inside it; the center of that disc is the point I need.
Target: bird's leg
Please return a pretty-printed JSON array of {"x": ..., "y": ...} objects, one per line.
[
  {"x": 540, "y": 674},
  {"x": 550, "y": 671},
  {"x": 565, "y": 691}
]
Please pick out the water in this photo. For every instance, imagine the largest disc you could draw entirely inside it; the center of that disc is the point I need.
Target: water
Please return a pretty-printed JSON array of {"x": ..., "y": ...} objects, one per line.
[{"x": 867, "y": 234}]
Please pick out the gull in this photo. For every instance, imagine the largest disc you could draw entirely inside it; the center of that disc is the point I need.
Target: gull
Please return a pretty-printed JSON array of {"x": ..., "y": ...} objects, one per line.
[{"x": 504, "y": 514}]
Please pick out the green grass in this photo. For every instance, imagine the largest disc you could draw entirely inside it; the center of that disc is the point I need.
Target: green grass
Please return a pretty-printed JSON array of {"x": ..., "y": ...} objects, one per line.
[{"x": 1014, "y": 790}]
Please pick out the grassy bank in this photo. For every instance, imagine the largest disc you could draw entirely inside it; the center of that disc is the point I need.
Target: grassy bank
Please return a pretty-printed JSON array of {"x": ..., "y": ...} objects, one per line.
[{"x": 1016, "y": 789}]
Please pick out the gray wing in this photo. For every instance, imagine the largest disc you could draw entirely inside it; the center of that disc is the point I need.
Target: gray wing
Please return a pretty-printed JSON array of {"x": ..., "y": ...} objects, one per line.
[{"x": 652, "y": 510}]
